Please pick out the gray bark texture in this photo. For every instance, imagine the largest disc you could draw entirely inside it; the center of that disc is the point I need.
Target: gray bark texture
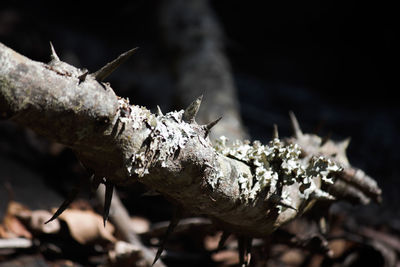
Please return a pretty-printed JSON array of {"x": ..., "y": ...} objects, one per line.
[{"x": 246, "y": 188}]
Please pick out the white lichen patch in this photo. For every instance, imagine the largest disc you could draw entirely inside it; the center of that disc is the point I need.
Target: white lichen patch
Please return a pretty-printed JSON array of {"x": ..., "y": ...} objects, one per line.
[
  {"x": 168, "y": 134},
  {"x": 277, "y": 165},
  {"x": 135, "y": 115},
  {"x": 216, "y": 173}
]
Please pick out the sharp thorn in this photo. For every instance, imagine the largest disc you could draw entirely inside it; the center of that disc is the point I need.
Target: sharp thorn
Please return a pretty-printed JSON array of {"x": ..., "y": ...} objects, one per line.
[
  {"x": 277, "y": 200},
  {"x": 275, "y": 133},
  {"x": 110, "y": 67},
  {"x": 191, "y": 111},
  {"x": 159, "y": 112},
  {"x": 60, "y": 210},
  {"x": 244, "y": 245},
  {"x": 158, "y": 255},
  {"x": 222, "y": 240},
  {"x": 82, "y": 77},
  {"x": 53, "y": 54},
  {"x": 211, "y": 124},
  {"x": 248, "y": 251},
  {"x": 107, "y": 201},
  {"x": 71, "y": 196},
  {"x": 344, "y": 143},
  {"x": 95, "y": 181},
  {"x": 295, "y": 125},
  {"x": 242, "y": 251},
  {"x": 174, "y": 222}
]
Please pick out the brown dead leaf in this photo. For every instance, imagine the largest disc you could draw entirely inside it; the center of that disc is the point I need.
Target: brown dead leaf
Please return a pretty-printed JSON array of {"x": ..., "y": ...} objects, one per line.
[
  {"x": 227, "y": 257},
  {"x": 87, "y": 227},
  {"x": 4, "y": 233},
  {"x": 211, "y": 241},
  {"x": 316, "y": 260},
  {"x": 15, "y": 208},
  {"x": 12, "y": 226},
  {"x": 293, "y": 257},
  {"x": 16, "y": 228},
  {"x": 339, "y": 247}
]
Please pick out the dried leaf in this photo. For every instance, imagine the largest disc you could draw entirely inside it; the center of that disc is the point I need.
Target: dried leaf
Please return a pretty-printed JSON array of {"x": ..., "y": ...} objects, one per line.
[
  {"x": 227, "y": 257},
  {"x": 339, "y": 247},
  {"x": 15, "y": 208},
  {"x": 211, "y": 241},
  {"x": 87, "y": 227},
  {"x": 293, "y": 257},
  {"x": 12, "y": 226}
]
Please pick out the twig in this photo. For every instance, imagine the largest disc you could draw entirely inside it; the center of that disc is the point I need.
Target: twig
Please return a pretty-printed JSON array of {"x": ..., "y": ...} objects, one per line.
[{"x": 14, "y": 243}]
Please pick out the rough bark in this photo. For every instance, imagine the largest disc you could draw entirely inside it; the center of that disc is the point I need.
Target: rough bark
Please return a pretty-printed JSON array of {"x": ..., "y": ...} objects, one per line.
[{"x": 247, "y": 188}]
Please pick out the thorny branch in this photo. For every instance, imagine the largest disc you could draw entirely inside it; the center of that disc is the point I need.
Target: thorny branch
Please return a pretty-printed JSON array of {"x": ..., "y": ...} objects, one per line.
[{"x": 249, "y": 189}]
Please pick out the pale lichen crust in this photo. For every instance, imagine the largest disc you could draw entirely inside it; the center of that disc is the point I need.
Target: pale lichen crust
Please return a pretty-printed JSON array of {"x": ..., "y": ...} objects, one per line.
[
  {"x": 169, "y": 134},
  {"x": 275, "y": 167}
]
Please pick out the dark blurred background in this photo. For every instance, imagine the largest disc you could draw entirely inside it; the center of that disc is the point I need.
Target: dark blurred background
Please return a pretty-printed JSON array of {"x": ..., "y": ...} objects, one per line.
[{"x": 331, "y": 63}]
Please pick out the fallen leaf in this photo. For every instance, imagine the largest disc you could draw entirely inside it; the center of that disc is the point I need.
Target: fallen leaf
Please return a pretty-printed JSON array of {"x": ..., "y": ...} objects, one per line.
[
  {"x": 339, "y": 247},
  {"x": 227, "y": 257},
  {"x": 293, "y": 257},
  {"x": 3, "y": 232},
  {"x": 16, "y": 228},
  {"x": 87, "y": 227},
  {"x": 211, "y": 241},
  {"x": 12, "y": 226}
]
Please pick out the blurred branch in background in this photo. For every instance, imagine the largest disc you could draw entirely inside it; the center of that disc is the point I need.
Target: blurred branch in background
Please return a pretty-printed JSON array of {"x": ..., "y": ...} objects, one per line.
[
  {"x": 194, "y": 38},
  {"x": 119, "y": 216}
]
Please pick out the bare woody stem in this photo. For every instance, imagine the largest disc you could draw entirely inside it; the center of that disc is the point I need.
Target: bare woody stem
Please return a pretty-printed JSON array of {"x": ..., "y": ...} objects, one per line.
[{"x": 248, "y": 189}]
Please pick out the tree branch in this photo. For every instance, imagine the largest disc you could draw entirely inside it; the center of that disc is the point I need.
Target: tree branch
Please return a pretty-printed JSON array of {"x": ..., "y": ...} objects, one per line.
[{"x": 247, "y": 188}]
